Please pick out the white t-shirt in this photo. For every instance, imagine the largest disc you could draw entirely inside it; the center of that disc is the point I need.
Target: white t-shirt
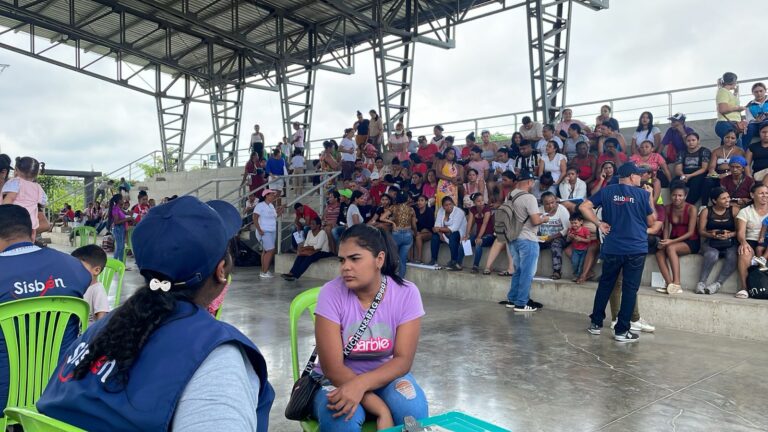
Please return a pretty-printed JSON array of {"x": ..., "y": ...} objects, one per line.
[
  {"x": 351, "y": 211},
  {"x": 297, "y": 162},
  {"x": 559, "y": 223},
  {"x": 643, "y": 135},
  {"x": 579, "y": 191},
  {"x": 541, "y": 146},
  {"x": 96, "y": 296},
  {"x": 553, "y": 166},
  {"x": 267, "y": 216},
  {"x": 754, "y": 222},
  {"x": 319, "y": 241},
  {"x": 509, "y": 165},
  {"x": 298, "y": 138},
  {"x": 347, "y": 144}
]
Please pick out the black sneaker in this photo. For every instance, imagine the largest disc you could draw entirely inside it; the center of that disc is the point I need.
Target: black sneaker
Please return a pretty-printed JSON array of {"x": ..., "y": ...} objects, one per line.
[
  {"x": 505, "y": 302},
  {"x": 535, "y": 304},
  {"x": 594, "y": 329},
  {"x": 626, "y": 337}
]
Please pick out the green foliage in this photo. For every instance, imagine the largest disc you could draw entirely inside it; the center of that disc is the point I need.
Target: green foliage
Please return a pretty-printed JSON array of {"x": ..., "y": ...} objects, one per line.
[
  {"x": 153, "y": 168},
  {"x": 62, "y": 190},
  {"x": 496, "y": 137}
]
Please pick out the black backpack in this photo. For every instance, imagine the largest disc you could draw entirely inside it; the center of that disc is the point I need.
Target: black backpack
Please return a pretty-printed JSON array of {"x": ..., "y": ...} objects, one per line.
[
  {"x": 245, "y": 256},
  {"x": 757, "y": 281}
]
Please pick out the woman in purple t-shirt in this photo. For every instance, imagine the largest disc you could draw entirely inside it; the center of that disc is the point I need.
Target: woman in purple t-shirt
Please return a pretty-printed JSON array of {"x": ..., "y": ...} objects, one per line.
[
  {"x": 375, "y": 378},
  {"x": 119, "y": 220}
]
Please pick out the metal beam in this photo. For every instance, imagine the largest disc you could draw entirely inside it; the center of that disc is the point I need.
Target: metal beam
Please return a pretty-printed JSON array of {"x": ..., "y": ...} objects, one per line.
[
  {"x": 226, "y": 114},
  {"x": 548, "y": 48},
  {"x": 172, "y": 117},
  {"x": 394, "y": 66}
]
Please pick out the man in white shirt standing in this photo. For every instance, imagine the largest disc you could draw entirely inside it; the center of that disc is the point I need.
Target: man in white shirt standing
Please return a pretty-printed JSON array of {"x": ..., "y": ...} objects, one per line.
[
  {"x": 315, "y": 248},
  {"x": 450, "y": 227},
  {"x": 297, "y": 139}
]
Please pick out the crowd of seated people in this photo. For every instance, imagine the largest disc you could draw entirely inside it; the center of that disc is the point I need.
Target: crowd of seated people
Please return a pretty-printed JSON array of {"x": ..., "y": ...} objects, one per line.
[{"x": 572, "y": 161}]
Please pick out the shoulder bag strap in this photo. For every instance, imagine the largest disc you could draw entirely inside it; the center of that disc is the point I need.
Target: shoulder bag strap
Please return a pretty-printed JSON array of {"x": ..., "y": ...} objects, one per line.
[{"x": 360, "y": 330}]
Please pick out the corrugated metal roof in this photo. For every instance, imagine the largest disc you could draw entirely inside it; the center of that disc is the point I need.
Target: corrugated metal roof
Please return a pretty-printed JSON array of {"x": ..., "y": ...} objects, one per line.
[{"x": 250, "y": 28}]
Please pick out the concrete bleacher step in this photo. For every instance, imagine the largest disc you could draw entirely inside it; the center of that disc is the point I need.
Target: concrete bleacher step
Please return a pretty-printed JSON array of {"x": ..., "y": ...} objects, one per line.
[
  {"x": 690, "y": 266},
  {"x": 718, "y": 314}
]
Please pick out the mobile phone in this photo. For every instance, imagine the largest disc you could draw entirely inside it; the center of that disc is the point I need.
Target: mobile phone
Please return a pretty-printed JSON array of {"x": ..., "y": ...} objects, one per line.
[
  {"x": 734, "y": 199},
  {"x": 719, "y": 232}
]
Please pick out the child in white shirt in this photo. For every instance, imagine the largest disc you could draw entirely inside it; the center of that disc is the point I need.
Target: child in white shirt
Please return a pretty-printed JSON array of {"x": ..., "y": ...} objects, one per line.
[{"x": 94, "y": 259}]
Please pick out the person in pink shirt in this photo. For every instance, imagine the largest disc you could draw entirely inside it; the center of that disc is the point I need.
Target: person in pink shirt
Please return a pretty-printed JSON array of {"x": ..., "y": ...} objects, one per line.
[
  {"x": 372, "y": 377},
  {"x": 23, "y": 190}
]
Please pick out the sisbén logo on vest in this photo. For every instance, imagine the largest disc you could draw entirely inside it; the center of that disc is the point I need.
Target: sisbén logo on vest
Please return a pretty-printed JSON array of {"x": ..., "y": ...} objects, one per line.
[
  {"x": 621, "y": 199},
  {"x": 36, "y": 286}
]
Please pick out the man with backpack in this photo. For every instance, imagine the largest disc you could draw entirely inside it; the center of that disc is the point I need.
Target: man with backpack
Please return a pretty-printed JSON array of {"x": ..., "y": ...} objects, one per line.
[{"x": 516, "y": 222}]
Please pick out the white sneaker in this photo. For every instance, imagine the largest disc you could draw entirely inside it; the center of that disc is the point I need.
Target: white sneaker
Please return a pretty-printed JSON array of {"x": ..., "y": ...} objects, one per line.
[
  {"x": 712, "y": 288},
  {"x": 266, "y": 275},
  {"x": 700, "y": 288},
  {"x": 642, "y": 325}
]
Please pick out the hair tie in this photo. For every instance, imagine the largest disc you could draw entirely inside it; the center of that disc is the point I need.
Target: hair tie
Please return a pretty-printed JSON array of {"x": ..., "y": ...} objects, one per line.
[{"x": 156, "y": 284}]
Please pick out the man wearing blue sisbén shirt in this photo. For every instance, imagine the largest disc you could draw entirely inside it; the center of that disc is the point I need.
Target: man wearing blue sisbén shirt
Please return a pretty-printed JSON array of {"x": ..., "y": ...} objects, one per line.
[
  {"x": 28, "y": 271},
  {"x": 628, "y": 211}
]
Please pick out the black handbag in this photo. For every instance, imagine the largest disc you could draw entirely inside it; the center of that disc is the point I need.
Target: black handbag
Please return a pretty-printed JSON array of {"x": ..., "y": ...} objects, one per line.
[{"x": 300, "y": 404}]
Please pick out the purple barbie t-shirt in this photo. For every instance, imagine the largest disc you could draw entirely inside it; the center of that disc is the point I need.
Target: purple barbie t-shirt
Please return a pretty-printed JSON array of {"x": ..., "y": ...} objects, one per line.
[{"x": 401, "y": 303}]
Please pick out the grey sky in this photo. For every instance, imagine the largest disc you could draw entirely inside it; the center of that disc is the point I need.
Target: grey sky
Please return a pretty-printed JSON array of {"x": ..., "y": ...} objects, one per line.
[{"x": 71, "y": 121}]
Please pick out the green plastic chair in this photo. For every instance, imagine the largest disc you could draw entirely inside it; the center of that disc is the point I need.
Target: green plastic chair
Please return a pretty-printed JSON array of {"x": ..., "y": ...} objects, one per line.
[
  {"x": 87, "y": 235},
  {"x": 33, "y": 421},
  {"x": 113, "y": 268},
  {"x": 33, "y": 329},
  {"x": 128, "y": 243},
  {"x": 307, "y": 300}
]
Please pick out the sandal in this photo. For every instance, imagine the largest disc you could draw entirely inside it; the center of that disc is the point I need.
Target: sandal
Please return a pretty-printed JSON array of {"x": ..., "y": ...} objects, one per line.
[
  {"x": 742, "y": 294},
  {"x": 486, "y": 272},
  {"x": 555, "y": 275},
  {"x": 504, "y": 273}
]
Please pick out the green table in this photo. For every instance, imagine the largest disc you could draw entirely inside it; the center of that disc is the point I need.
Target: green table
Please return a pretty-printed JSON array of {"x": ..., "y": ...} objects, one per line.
[{"x": 456, "y": 422}]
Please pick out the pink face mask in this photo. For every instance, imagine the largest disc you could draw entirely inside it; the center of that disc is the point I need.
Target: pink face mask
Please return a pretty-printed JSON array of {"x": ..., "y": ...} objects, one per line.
[{"x": 219, "y": 300}]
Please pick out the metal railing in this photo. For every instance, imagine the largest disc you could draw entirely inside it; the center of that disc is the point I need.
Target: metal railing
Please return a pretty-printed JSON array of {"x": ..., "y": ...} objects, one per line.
[
  {"x": 697, "y": 102},
  {"x": 132, "y": 171},
  {"x": 319, "y": 190}
]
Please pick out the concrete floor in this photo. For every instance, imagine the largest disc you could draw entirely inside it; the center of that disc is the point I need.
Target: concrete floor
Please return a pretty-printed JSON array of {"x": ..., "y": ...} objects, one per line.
[{"x": 537, "y": 372}]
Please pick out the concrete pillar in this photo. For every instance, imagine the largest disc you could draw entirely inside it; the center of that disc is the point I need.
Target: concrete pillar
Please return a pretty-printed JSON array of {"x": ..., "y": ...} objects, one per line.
[{"x": 89, "y": 190}]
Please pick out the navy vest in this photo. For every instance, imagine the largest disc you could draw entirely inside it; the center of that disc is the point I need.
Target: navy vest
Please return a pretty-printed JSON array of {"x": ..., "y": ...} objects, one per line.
[
  {"x": 29, "y": 271},
  {"x": 156, "y": 381}
]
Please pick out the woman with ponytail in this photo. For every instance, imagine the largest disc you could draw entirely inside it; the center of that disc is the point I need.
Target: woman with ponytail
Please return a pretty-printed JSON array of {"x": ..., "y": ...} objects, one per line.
[
  {"x": 374, "y": 379},
  {"x": 161, "y": 361}
]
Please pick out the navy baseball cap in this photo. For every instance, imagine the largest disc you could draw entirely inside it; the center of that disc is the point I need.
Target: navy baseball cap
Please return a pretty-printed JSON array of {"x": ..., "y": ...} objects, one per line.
[
  {"x": 185, "y": 238},
  {"x": 525, "y": 175},
  {"x": 630, "y": 168}
]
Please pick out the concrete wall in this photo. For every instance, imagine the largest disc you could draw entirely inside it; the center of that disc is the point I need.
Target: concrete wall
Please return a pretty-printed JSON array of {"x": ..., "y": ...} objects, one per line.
[
  {"x": 719, "y": 314},
  {"x": 179, "y": 183}
]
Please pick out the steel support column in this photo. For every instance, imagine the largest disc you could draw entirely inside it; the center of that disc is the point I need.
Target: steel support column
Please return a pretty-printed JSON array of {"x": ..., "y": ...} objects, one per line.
[
  {"x": 226, "y": 114},
  {"x": 549, "y": 39},
  {"x": 393, "y": 61},
  {"x": 297, "y": 84},
  {"x": 172, "y": 114}
]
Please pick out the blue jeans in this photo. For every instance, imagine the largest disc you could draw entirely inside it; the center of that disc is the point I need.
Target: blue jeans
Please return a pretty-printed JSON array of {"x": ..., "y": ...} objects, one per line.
[
  {"x": 454, "y": 244},
  {"x": 403, "y": 397},
  {"x": 525, "y": 257},
  {"x": 404, "y": 241},
  {"x": 487, "y": 242},
  {"x": 577, "y": 261},
  {"x": 336, "y": 232},
  {"x": 723, "y": 127},
  {"x": 613, "y": 265},
  {"x": 118, "y": 234}
]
